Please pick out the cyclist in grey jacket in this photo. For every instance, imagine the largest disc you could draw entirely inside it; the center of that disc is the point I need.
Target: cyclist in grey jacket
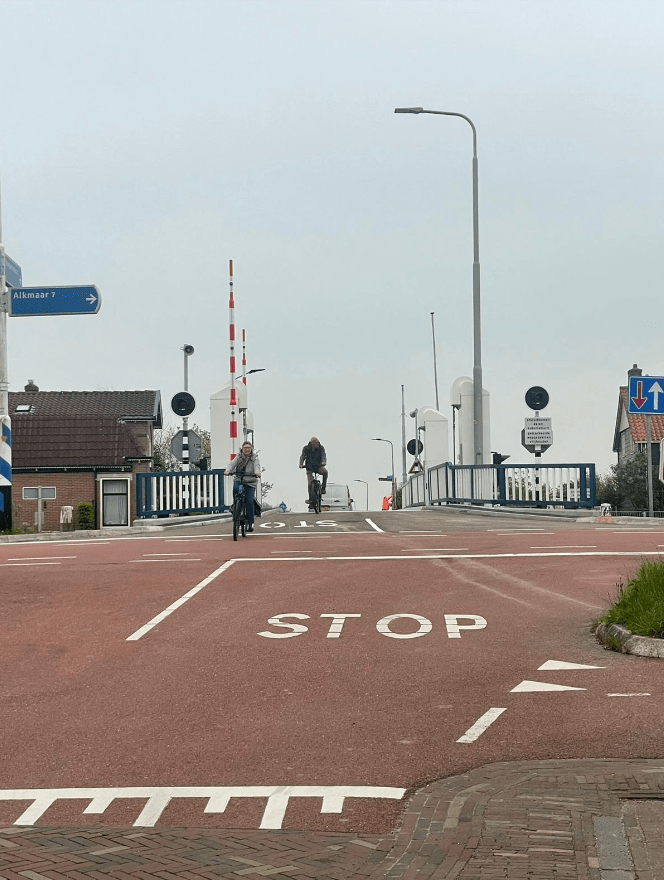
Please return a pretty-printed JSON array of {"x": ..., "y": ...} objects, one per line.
[{"x": 246, "y": 469}]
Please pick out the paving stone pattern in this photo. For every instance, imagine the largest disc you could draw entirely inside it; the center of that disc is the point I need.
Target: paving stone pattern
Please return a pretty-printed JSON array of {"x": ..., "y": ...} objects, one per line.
[{"x": 531, "y": 820}]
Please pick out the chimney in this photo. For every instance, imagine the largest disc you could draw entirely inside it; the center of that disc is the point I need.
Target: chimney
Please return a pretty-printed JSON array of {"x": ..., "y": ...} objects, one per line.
[
  {"x": 635, "y": 371},
  {"x": 31, "y": 386}
]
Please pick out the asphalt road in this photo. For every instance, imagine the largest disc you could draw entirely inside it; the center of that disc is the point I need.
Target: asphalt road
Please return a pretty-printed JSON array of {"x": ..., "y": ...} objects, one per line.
[{"x": 309, "y": 675}]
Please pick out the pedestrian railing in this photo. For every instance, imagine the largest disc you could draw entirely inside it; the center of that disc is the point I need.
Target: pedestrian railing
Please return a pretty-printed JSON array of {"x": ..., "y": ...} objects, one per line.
[
  {"x": 176, "y": 493},
  {"x": 516, "y": 485}
]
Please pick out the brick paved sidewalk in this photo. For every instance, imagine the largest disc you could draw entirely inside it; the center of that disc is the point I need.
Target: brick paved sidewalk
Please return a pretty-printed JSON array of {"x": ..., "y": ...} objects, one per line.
[{"x": 534, "y": 819}]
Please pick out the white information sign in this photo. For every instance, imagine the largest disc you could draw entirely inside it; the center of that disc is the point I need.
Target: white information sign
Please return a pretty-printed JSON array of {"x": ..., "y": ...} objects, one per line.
[{"x": 538, "y": 432}]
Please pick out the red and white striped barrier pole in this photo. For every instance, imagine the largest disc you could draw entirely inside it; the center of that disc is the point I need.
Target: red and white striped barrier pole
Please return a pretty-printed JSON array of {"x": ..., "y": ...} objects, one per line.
[
  {"x": 233, "y": 394},
  {"x": 244, "y": 382}
]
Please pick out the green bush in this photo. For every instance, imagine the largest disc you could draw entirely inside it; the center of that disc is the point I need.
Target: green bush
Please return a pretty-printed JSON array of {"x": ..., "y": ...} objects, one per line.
[
  {"x": 640, "y": 603},
  {"x": 85, "y": 516}
]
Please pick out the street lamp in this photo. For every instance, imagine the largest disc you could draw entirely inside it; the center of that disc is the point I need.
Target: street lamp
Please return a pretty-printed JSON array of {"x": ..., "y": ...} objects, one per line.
[
  {"x": 478, "y": 428},
  {"x": 367, "y": 485},
  {"x": 394, "y": 481}
]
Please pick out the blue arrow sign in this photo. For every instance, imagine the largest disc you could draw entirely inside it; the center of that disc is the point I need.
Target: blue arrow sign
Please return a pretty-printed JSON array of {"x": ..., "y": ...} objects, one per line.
[
  {"x": 645, "y": 395},
  {"x": 31, "y": 301}
]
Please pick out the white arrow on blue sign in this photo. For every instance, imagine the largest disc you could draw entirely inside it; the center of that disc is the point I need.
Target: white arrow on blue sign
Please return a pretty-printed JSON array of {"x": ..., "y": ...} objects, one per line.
[
  {"x": 645, "y": 395},
  {"x": 31, "y": 301}
]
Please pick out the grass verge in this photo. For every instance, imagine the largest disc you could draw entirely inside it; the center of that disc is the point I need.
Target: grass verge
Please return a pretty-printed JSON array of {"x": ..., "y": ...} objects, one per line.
[{"x": 640, "y": 603}]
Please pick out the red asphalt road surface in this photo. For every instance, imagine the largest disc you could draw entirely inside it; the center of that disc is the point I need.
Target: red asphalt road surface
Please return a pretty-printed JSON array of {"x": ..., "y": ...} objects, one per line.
[{"x": 202, "y": 699}]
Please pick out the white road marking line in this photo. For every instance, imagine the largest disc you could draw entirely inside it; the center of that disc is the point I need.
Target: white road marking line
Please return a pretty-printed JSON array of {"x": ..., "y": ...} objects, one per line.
[
  {"x": 529, "y": 529},
  {"x": 218, "y": 797},
  {"x": 424, "y": 535},
  {"x": 481, "y": 725},
  {"x": 373, "y": 524},
  {"x": 34, "y": 558},
  {"x": 653, "y": 531},
  {"x": 474, "y": 556},
  {"x": 515, "y": 534},
  {"x": 629, "y": 695},
  {"x": 134, "y": 637},
  {"x": 529, "y": 687},
  {"x": 164, "y": 560},
  {"x": 566, "y": 547},
  {"x": 30, "y": 563},
  {"x": 562, "y": 664}
]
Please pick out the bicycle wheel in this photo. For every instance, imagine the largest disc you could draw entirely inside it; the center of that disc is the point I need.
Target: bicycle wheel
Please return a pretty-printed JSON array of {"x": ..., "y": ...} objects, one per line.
[
  {"x": 317, "y": 496},
  {"x": 237, "y": 514},
  {"x": 243, "y": 516}
]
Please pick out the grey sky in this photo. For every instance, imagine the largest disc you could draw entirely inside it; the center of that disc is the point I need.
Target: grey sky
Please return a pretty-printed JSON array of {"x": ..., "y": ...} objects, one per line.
[{"x": 143, "y": 144}]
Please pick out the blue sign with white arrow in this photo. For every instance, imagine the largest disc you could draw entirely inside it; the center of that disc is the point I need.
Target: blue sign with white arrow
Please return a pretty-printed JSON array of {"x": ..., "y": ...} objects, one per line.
[
  {"x": 31, "y": 301},
  {"x": 645, "y": 395}
]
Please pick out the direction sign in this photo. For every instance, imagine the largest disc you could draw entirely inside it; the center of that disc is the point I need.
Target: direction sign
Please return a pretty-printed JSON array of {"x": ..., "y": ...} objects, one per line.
[
  {"x": 13, "y": 273},
  {"x": 645, "y": 395},
  {"x": 32, "y": 301}
]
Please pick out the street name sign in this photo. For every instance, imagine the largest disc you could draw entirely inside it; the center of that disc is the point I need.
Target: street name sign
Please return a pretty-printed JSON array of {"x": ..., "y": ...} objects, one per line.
[
  {"x": 32, "y": 301},
  {"x": 13, "y": 273},
  {"x": 645, "y": 395}
]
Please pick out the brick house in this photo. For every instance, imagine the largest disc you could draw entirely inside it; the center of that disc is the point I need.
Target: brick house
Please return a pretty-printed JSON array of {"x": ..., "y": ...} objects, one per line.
[
  {"x": 629, "y": 437},
  {"x": 79, "y": 446}
]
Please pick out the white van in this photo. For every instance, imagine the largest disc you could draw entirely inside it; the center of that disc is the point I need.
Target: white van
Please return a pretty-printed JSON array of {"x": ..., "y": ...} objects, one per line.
[{"x": 336, "y": 497}]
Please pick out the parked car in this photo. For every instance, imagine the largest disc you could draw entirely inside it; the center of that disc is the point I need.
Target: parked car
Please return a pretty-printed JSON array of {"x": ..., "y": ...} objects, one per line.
[{"x": 337, "y": 497}]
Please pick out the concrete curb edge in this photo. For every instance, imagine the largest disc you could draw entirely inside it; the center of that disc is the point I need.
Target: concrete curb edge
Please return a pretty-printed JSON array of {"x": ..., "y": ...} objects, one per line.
[{"x": 629, "y": 643}]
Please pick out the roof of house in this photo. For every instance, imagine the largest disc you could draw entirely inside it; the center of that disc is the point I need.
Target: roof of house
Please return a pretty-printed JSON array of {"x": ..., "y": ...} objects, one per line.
[
  {"x": 127, "y": 405},
  {"x": 72, "y": 442},
  {"x": 637, "y": 423},
  {"x": 80, "y": 429}
]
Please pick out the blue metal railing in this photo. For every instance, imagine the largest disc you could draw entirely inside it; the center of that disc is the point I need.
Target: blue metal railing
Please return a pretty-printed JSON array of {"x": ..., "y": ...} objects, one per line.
[
  {"x": 175, "y": 493},
  {"x": 515, "y": 485}
]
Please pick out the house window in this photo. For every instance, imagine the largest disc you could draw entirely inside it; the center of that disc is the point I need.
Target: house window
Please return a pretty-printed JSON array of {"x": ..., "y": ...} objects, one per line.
[
  {"x": 115, "y": 502},
  {"x": 33, "y": 493}
]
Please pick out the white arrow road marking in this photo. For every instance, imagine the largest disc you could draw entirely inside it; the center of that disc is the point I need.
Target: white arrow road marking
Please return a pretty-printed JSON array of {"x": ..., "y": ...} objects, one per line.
[
  {"x": 561, "y": 664},
  {"x": 480, "y": 725},
  {"x": 530, "y": 686}
]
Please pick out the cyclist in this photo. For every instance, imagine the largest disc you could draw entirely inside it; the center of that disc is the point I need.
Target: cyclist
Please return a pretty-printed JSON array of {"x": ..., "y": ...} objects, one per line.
[
  {"x": 247, "y": 469},
  {"x": 313, "y": 458}
]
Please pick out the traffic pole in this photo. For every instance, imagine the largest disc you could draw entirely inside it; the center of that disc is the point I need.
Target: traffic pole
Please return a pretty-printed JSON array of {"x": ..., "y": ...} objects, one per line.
[
  {"x": 5, "y": 420},
  {"x": 231, "y": 336}
]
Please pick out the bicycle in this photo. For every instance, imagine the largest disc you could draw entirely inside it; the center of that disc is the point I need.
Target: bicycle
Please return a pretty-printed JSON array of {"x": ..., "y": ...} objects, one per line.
[
  {"x": 315, "y": 493},
  {"x": 239, "y": 510}
]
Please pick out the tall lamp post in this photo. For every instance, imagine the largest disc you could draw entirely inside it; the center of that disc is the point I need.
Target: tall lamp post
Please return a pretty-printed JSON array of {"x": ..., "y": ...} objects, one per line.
[
  {"x": 478, "y": 427},
  {"x": 367, "y": 485},
  {"x": 394, "y": 481}
]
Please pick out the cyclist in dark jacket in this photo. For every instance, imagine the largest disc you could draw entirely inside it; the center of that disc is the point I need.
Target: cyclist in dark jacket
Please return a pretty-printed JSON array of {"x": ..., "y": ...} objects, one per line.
[{"x": 313, "y": 458}]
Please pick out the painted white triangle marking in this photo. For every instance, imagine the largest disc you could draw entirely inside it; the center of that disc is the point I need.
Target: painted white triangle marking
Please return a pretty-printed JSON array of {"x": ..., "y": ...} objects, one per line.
[
  {"x": 529, "y": 686},
  {"x": 562, "y": 664}
]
